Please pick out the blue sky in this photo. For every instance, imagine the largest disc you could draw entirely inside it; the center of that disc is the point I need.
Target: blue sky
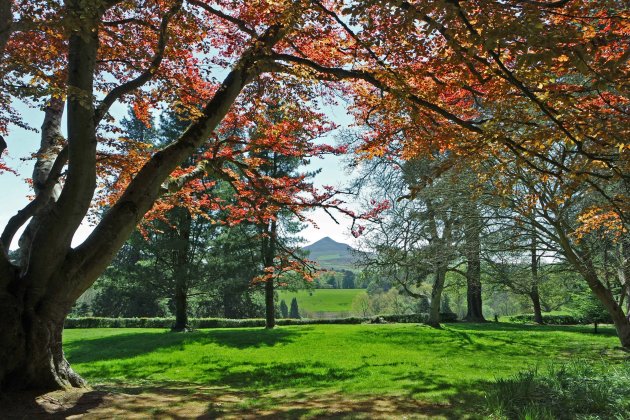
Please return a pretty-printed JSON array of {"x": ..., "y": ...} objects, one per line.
[{"x": 22, "y": 143}]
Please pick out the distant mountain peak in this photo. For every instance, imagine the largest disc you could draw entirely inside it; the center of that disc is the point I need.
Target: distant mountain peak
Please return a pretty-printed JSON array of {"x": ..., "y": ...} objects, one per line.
[
  {"x": 331, "y": 254},
  {"x": 327, "y": 242}
]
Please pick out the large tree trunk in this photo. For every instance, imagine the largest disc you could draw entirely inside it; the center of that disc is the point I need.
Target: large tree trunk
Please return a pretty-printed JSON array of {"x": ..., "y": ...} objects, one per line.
[
  {"x": 31, "y": 350},
  {"x": 473, "y": 271}
]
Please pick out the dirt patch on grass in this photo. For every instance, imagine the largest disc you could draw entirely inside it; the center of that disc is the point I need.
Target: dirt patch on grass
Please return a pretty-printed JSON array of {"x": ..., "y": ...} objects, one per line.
[{"x": 186, "y": 402}]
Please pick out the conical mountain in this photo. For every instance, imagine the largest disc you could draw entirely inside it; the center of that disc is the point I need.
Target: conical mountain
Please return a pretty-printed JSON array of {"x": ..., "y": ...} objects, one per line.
[{"x": 331, "y": 254}]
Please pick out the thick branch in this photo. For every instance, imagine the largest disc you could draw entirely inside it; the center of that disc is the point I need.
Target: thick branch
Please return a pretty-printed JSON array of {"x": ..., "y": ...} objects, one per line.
[
  {"x": 52, "y": 238},
  {"x": 94, "y": 254},
  {"x": 43, "y": 197}
]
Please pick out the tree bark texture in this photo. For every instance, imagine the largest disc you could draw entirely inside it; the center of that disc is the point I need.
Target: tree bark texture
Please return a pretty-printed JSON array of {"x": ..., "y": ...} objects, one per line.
[{"x": 31, "y": 345}]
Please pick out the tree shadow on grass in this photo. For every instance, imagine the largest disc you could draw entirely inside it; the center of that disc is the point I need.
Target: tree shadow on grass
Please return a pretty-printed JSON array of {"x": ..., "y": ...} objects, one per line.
[
  {"x": 247, "y": 376},
  {"x": 190, "y": 401},
  {"x": 123, "y": 346},
  {"x": 278, "y": 376}
]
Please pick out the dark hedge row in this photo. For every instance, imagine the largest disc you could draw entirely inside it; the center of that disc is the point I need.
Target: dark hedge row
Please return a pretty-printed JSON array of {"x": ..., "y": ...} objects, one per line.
[{"x": 96, "y": 322}]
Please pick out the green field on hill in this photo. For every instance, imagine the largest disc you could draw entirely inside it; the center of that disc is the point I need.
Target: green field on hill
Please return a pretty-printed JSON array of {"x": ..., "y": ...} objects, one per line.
[
  {"x": 401, "y": 368},
  {"x": 322, "y": 300}
]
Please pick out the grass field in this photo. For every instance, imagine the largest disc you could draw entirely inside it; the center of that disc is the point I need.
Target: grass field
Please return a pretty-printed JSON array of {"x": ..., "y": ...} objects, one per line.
[
  {"x": 322, "y": 300},
  {"x": 322, "y": 370}
]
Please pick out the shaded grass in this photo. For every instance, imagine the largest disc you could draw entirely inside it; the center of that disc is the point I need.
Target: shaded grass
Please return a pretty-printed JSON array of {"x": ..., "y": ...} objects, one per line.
[
  {"x": 450, "y": 367},
  {"x": 574, "y": 390}
]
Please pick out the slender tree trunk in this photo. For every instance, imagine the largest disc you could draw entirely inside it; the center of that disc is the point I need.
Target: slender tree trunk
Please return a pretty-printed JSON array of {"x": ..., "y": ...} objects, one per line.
[
  {"x": 436, "y": 295},
  {"x": 535, "y": 297},
  {"x": 534, "y": 294},
  {"x": 269, "y": 253},
  {"x": 270, "y": 309},
  {"x": 181, "y": 305},
  {"x": 472, "y": 235}
]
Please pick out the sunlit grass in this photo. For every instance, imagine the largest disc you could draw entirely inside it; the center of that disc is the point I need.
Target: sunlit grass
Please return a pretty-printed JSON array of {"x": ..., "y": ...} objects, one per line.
[
  {"x": 322, "y": 300},
  {"x": 450, "y": 365}
]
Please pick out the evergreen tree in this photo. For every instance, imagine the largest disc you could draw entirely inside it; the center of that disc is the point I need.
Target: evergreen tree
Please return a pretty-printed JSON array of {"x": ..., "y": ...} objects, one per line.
[
  {"x": 284, "y": 309},
  {"x": 294, "y": 312}
]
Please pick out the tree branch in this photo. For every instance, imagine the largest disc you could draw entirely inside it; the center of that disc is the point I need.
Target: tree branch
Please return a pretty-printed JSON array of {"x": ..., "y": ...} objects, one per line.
[
  {"x": 342, "y": 74},
  {"x": 94, "y": 254},
  {"x": 43, "y": 197},
  {"x": 241, "y": 24},
  {"x": 146, "y": 75}
]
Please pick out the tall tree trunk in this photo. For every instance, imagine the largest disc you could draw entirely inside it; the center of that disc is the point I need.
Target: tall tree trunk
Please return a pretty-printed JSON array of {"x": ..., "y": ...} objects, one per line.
[
  {"x": 534, "y": 294},
  {"x": 269, "y": 253},
  {"x": 535, "y": 297},
  {"x": 472, "y": 235},
  {"x": 270, "y": 309},
  {"x": 181, "y": 306},
  {"x": 436, "y": 295},
  {"x": 181, "y": 245}
]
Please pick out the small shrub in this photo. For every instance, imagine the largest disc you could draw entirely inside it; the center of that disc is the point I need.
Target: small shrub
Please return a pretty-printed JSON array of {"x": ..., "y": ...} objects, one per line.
[
  {"x": 448, "y": 317},
  {"x": 571, "y": 391}
]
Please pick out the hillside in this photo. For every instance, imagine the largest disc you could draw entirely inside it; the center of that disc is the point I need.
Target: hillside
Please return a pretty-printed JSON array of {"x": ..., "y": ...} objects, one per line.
[
  {"x": 331, "y": 254},
  {"x": 323, "y": 303}
]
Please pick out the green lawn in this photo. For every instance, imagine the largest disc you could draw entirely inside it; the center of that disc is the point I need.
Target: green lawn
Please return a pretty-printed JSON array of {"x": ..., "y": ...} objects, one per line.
[
  {"x": 322, "y": 300},
  {"x": 440, "y": 372}
]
